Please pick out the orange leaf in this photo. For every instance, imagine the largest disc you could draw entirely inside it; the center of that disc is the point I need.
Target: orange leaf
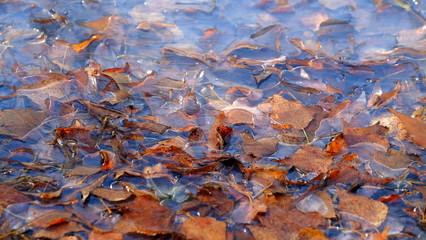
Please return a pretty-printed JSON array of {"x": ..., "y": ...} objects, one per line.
[
  {"x": 78, "y": 47},
  {"x": 204, "y": 228},
  {"x": 209, "y": 33}
]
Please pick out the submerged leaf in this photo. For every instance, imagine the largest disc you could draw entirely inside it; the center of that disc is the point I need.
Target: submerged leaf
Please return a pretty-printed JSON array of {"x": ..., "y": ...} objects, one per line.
[
  {"x": 204, "y": 228},
  {"x": 290, "y": 112},
  {"x": 111, "y": 195},
  {"x": 364, "y": 208},
  {"x": 260, "y": 148},
  {"x": 19, "y": 122},
  {"x": 9, "y": 195},
  {"x": 145, "y": 215},
  {"x": 416, "y": 129},
  {"x": 309, "y": 158}
]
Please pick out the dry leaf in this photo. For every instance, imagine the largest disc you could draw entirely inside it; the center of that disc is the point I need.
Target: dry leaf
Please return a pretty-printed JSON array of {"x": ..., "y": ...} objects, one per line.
[
  {"x": 260, "y": 148},
  {"x": 94, "y": 235},
  {"x": 290, "y": 112},
  {"x": 78, "y": 47},
  {"x": 309, "y": 158},
  {"x": 145, "y": 215},
  {"x": 416, "y": 129},
  {"x": 239, "y": 116},
  {"x": 9, "y": 195},
  {"x": 392, "y": 159},
  {"x": 377, "y": 101},
  {"x": 111, "y": 195},
  {"x": 204, "y": 228},
  {"x": 100, "y": 24},
  {"x": 56, "y": 86},
  {"x": 363, "y": 208},
  {"x": 19, "y": 122},
  {"x": 350, "y": 175},
  {"x": 311, "y": 234},
  {"x": 58, "y": 231},
  {"x": 372, "y": 134},
  {"x": 82, "y": 170}
]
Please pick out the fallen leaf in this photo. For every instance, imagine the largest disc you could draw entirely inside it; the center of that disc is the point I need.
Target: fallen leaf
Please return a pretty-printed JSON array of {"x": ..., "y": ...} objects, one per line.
[
  {"x": 363, "y": 208},
  {"x": 94, "y": 235},
  {"x": 145, "y": 215},
  {"x": 392, "y": 159},
  {"x": 337, "y": 145},
  {"x": 100, "y": 24},
  {"x": 371, "y": 134},
  {"x": 9, "y": 195},
  {"x": 290, "y": 112},
  {"x": 111, "y": 194},
  {"x": 100, "y": 111},
  {"x": 261, "y": 147},
  {"x": 415, "y": 128},
  {"x": 186, "y": 53},
  {"x": 208, "y": 33},
  {"x": 58, "y": 231},
  {"x": 263, "y": 31},
  {"x": 204, "y": 228},
  {"x": 311, "y": 234},
  {"x": 350, "y": 175},
  {"x": 19, "y": 122},
  {"x": 239, "y": 116},
  {"x": 85, "y": 192},
  {"x": 149, "y": 126},
  {"x": 51, "y": 218},
  {"x": 82, "y": 170},
  {"x": 377, "y": 101},
  {"x": 78, "y": 47},
  {"x": 56, "y": 86},
  {"x": 309, "y": 158}
]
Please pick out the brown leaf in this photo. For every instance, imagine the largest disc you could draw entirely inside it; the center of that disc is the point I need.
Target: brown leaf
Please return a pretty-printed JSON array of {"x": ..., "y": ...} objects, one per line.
[
  {"x": 145, "y": 215},
  {"x": 85, "y": 192},
  {"x": 219, "y": 133},
  {"x": 100, "y": 111},
  {"x": 204, "y": 228},
  {"x": 100, "y": 24},
  {"x": 82, "y": 170},
  {"x": 309, "y": 158},
  {"x": 170, "y": 83},
  {"x": 350, "y": 175},
  {"x": 94, "y": 235},
  {"x": 9, "y": 195},
  {"x": 242, "y": 46},
  {"x": 239, "y": 116},
  {"x": 364, "y": 208},
  {"x": 295, "y": 220},
  {"x": 260, "y": 148},
  {"x": 51, "y": 218},
  {"x": 377, "y": 101},
  {"x": 186, "y": 53},
  {"x": 111, "y": 195},
  {"x": 392, "y": 159},
  {"x": 416, "y": 129},
  {"x": 371, "y": 134},
  {"x": 149, "y": 126},
  {"x": 55, "y": 86},
  {"x": 58, "y": 231},
  {"x": 290, "y": 112},
  {"x": 19, "y": 122}
]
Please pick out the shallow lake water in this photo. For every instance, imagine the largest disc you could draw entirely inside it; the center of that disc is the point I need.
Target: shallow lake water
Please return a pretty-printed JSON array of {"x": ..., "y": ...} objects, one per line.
[{"x": 204, "y": 119}]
